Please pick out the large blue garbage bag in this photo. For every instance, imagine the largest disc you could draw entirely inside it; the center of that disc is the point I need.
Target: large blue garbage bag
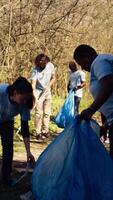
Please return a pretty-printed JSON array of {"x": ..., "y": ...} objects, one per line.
[
  {"x": 67, "y": 112},
  {"x": 75, "y": 166}
]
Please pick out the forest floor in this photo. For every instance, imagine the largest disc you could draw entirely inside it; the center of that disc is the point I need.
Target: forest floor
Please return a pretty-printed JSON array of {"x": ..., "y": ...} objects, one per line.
[{"x": 19, "y": 168}]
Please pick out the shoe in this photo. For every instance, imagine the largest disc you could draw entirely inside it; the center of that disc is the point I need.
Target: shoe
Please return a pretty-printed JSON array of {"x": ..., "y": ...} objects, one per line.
[
  {"x": 107, "y": 141},
  {"x": 27, "y": 196},
  {"x": 40, "y": 137},
  {"x": 46, "y": 135},
  {"x": 102, "y": 139}
]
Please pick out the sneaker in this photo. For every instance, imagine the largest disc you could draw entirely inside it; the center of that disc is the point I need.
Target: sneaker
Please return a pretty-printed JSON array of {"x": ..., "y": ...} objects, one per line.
[
  {"x": 107, "y": 141},
  {"x": 47, "y": 135},
  {"x": 27, "y": 196},
  {"x": 102, "y": 139},
  {"x": 40, "y": 137}
]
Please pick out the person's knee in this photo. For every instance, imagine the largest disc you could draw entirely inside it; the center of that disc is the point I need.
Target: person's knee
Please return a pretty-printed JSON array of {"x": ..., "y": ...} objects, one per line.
[
  {"x": 38, "y": 115},
  {"x": 46, "y": 115}
]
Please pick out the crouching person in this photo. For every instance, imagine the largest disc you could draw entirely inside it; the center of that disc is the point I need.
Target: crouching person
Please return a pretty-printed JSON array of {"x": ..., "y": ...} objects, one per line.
[{"x": 16, "y": 98}]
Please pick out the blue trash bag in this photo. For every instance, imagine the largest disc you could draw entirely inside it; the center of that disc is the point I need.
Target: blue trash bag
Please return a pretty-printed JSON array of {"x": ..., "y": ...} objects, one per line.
[
  {"x": 67, "y": 112},
  {"x": 75, "y": 166}
]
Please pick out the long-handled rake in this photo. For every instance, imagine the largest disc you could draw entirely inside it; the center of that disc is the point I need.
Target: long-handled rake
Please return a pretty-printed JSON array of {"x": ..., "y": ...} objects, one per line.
[{"x": 24, "y": 175}]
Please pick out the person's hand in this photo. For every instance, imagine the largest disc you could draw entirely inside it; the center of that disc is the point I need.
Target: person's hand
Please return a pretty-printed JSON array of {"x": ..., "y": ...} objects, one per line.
[
  {"x": 86, "y": 114},
  {"x": 30, "y": 158},
  {"x": 74, "y": 89},
  {"x": 46, "y": 89}
]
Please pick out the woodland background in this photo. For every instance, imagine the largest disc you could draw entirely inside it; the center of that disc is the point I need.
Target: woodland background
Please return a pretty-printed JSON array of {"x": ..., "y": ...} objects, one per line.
[{"x": 55, "y": 27}]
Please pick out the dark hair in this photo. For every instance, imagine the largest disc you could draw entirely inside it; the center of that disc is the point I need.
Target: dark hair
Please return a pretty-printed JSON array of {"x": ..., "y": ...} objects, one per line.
[
  {"x": 40, "y": 56},
  {"x": 72, "y": 64},
  {"x": 83, "y": 50},
  {"x": 31, "y": 101},
  {"x": 22, "y": 86}
]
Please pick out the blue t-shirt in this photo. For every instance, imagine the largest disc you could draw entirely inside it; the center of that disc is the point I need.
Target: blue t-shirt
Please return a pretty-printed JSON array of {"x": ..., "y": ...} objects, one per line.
[
  {"x": 76, "y": 79},
  {"x": 101, "y": 67},
  {"x": 9, "y": 110}
]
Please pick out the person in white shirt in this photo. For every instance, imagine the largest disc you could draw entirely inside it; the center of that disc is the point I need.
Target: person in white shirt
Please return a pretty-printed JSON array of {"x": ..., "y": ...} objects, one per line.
[
  {"x": 43, "y": 76},
  {"x": 76, "y": 83}
]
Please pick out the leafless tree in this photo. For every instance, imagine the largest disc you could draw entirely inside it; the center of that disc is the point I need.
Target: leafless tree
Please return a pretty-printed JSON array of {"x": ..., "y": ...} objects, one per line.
[{"x": 55, "y": 27}]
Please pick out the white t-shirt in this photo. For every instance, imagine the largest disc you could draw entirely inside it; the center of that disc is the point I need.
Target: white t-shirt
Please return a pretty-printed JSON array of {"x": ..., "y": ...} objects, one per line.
[
  {"x": 101, "y": 67},
  {"x": 76, "y": 79},
  {"x": 43, "y": 77}
]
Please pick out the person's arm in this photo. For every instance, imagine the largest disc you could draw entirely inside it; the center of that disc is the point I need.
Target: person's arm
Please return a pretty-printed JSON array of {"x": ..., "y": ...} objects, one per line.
[
  {"x": 50, "y": 83},
  {"x": 68, "y": 86},
  {"x": 33, "y": 83},
  {"x": 83, "y": 84},
  {"x": 52, "y": 80},
  {"x": 26, "y": 138},
  {"x": 82, "y": 79},
  {"x": 34, "y": 80},
  {"x": 104, "y": 93}
]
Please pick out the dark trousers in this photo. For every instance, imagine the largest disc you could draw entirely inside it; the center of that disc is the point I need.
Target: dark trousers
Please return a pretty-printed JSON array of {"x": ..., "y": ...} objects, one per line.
[
  {"x": 77, "y": 103},
  {"x": 104, "y": 127},
  {"x": 111, "y": 139},
  {"x": 6, "y": 132}
]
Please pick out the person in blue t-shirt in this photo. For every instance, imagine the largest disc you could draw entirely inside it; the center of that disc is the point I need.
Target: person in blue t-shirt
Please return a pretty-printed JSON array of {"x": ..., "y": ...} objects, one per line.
[
  {"x": 15, "y": 99},
  {"x": 100, "y": 67},
  {"x": 76, "y": 83}
]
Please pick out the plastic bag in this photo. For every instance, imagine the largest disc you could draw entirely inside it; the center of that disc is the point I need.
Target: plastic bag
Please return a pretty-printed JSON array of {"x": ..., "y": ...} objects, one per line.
[
  {"x": 75, "y": 166},
  {"x": 67, "y": 112}
]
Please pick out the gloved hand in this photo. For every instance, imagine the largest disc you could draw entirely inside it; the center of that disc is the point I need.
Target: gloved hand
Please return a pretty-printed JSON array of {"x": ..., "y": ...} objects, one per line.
[{"x": 87, "y": 114}]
